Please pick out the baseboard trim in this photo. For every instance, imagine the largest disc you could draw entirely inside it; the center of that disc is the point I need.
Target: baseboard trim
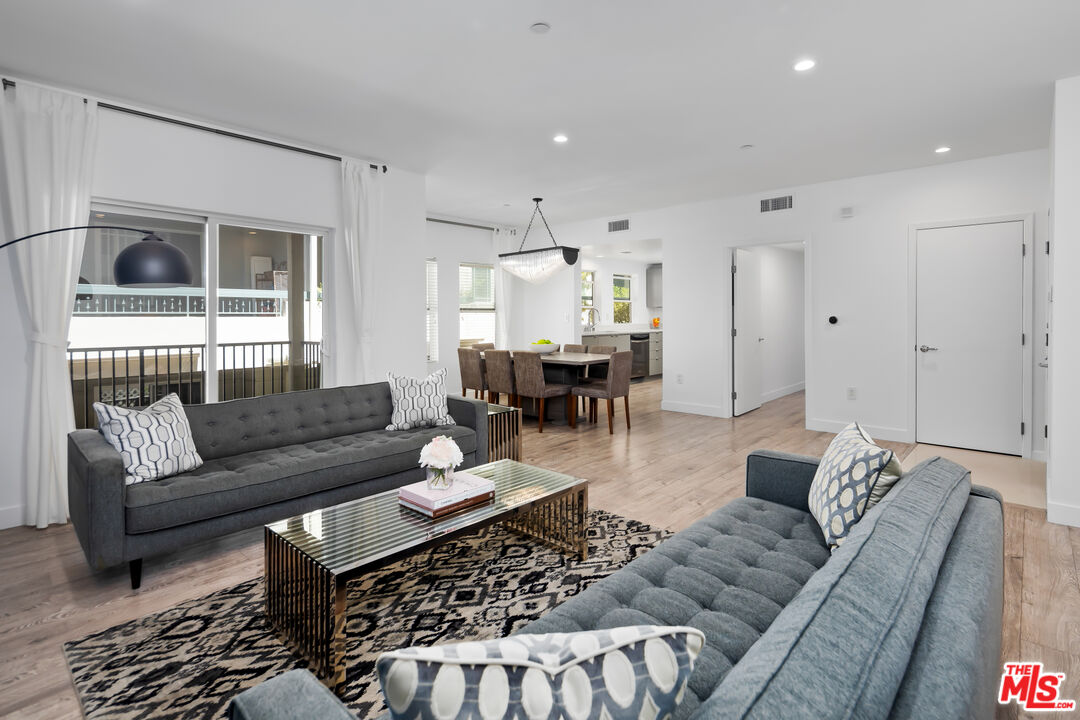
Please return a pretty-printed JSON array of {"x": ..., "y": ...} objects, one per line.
[
  {"x": 695, "y": 409},
  {"x": 879, "y": 432},
  {"x": 11, "y": 516},
  {"x": 781, "y": 392},
  {"x": 1063, "y": 514}
]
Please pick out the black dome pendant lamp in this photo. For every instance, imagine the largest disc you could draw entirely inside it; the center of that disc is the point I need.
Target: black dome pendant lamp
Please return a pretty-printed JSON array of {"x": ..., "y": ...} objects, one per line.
[{"x": 150, "y": 263}]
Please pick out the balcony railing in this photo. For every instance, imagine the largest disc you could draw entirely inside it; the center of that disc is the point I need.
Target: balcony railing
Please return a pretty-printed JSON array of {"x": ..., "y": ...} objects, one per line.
[
  {"x": 139, "y": 376},
  {"x": 110, "y": 300}
]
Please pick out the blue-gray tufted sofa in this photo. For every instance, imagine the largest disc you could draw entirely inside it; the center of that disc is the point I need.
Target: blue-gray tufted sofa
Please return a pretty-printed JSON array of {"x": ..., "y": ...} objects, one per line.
[
  {"x": 902, "y": 621},
  {"x": 265, "y": 459}
]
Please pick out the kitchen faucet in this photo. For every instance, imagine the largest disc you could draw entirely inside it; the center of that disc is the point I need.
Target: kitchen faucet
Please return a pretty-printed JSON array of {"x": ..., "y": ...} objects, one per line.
[{"x": 591, "y": 318}]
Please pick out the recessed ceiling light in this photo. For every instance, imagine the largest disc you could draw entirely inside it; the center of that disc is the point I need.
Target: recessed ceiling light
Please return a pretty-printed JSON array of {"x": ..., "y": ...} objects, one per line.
[
  {"x": 540, "y": 28},
  {"x": 599, "y": 256},
  {"x": 804, "y": 65},
  {"x": 99, "y": 215},
  {"x": 251, "y": 232},
  {"x": 560, "y": 138},
  {"x": 747, "y": 146},
  {"x": 942, "y": 149},
  {"x": 624, "y": 252}
]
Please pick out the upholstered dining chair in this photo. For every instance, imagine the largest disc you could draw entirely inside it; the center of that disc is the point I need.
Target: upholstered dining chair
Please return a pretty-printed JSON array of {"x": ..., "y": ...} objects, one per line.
[
  {"x": 596, "y": 373},
  {"x": 573, "y": 348},
  {"x": 500, "y": 376},
  {"x": 599, "y": 371},
  {"x": 472, "y": 371},
  {"x": 529, "y": 379},
  {"x": 483, "y": 346},
  {"x": 616, "y": 384}
]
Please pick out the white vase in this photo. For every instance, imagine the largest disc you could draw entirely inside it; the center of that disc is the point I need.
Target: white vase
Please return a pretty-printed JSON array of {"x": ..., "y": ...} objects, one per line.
[{"x": 439, "y": 478}]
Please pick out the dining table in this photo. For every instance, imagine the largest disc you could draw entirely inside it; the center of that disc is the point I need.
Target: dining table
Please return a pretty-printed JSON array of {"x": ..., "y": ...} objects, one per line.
[{"x": 562, "y": 368}]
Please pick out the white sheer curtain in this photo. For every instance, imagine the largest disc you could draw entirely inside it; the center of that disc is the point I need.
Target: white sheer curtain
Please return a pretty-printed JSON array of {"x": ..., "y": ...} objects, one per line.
[
  {"x": 504, "y": 240},
  {"x": 47, "y": 142},
  {"x": 351, "y": 292}
]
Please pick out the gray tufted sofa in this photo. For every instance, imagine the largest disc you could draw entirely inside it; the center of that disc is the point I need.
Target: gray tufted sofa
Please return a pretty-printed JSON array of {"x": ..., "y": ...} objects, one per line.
[
  {"x": 265, "y": 459},
  {"x": 902, "y": 621}
]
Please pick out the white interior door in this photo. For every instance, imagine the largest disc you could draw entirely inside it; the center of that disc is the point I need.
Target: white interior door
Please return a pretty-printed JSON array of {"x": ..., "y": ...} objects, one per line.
[
  {"x": 969, "y": 320},
  {"x": 746, "y": 320}
]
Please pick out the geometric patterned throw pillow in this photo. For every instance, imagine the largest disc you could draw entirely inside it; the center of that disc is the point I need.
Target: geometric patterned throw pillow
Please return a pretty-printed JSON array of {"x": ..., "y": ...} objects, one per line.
[
  {"x": 626, "y": 672},
  {"x": 154, "y": 443},
  {"x": 854, "y": 473},
  {"x": 418, "y": 403}
]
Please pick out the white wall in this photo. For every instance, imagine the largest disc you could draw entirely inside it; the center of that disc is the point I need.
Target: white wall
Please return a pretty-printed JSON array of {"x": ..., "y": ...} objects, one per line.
[
  {"x": 549, "y": 310},
  {"x": 1062, "y": 479},
  {"x": 452, "y": 245},
  {"x": 148, "y": 162},
  {"x": 857, "y": 269},
  {"x": 783, "y": 352}
]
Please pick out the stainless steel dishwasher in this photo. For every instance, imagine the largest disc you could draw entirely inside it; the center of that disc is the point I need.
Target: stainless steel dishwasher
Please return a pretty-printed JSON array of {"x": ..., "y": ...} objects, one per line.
[{"x": 639, "y": 346}]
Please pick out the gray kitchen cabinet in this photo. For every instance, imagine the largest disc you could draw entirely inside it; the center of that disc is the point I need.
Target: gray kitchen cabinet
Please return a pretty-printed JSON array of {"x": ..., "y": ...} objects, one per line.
[
  {"x": 621, "y": 341},
  {"x": 656, "y": 353},
  {"x": 654, "y": 286}
]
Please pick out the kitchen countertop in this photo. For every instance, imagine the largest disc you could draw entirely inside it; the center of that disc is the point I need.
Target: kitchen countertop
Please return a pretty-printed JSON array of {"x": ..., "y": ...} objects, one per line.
[{"x": 595, "y": 333}]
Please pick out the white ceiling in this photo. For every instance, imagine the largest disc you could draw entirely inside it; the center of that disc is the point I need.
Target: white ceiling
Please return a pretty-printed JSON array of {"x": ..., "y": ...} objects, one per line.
[{"x": 655, "y": 97}]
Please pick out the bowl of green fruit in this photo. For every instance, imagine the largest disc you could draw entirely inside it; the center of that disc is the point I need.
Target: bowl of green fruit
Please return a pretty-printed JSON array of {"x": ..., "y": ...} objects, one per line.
[{"x": 544, "y": 346}]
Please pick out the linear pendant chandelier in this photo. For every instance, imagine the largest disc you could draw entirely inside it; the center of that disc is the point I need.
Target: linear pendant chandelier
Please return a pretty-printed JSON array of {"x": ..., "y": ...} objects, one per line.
[{"x": 536, "y": 266}]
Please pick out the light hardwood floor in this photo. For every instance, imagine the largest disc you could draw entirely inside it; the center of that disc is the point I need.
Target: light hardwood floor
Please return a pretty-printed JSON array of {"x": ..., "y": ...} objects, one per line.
[{"x": 669, "y": 470}]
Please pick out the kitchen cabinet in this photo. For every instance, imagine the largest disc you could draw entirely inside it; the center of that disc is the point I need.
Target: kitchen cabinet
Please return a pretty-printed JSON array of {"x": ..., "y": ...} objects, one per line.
[
  {"x": 654, "y": 286},
  {"x": 621, "y": 341},
  {"x": 656, "y": 353}
]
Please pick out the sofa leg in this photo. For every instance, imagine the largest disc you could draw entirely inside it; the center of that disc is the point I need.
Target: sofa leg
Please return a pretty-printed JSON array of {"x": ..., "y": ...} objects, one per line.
[
  {"x": 135, "y": 569},
  {"x": 540, "y": 417}
]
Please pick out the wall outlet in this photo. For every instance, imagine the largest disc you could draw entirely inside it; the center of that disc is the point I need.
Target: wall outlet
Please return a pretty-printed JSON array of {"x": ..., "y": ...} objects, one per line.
[
  {"x": 851, "y": 393},
  {"x": 679, "y": 379}
]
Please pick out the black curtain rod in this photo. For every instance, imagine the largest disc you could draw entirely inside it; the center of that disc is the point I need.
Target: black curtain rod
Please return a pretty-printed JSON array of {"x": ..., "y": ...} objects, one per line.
[
  {"x": 216, "y": 131},
  {"x": 460, "y": 224}
]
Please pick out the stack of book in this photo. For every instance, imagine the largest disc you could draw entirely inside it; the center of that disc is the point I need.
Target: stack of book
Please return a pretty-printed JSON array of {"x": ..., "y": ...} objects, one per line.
[{"x": 467, "y": 491}]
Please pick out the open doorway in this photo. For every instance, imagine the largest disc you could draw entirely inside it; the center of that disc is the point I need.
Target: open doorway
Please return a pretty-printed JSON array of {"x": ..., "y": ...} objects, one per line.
[{"x": 768, "y": 349}]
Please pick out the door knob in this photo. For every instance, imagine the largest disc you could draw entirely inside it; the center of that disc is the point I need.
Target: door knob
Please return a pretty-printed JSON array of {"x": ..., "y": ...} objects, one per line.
[{"x": 927, "y": 348}]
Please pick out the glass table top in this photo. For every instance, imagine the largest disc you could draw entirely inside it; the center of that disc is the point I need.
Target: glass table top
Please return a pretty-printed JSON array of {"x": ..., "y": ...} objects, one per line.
[{"x": 357, "y": 533}]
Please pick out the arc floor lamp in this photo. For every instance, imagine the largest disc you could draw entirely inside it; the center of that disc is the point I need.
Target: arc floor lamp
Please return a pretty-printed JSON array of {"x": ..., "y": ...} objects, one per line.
[{"x": 151, "y": 263}]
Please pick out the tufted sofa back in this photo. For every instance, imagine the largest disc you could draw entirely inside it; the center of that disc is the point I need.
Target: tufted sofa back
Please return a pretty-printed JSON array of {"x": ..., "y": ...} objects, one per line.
[{"x": 292, "y": 418}]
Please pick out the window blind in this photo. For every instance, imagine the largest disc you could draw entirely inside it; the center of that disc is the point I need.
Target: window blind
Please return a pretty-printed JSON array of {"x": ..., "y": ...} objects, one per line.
[{"x": 432, "y": 284}]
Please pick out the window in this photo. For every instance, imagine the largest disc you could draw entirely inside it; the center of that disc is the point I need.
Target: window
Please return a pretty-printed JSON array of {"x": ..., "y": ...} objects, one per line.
[
  {"x": 588, "y": 298},
  {"x": 256, "y": 331},
  {"x": 432, "y": 284},
  {"x": 476, "y": 296},
  {"x": 269, "y": 317},
  {"x": 620, "y": 290}
]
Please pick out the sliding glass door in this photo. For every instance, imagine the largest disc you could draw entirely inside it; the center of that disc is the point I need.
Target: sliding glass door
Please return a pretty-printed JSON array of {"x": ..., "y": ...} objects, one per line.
[
  {"x": 132, "y": 346},
  {"x": 250, "y": 325},
  {"x": 269, "y": 321}
]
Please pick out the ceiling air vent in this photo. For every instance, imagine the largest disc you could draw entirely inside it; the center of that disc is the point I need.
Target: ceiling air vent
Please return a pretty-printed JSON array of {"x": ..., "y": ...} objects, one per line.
[
  {"x": 777, "y": 203},
  {"x": 618, "y": 225}
]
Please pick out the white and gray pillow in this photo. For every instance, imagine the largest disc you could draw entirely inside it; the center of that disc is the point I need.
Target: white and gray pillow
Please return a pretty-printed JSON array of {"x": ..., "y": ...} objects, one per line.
[
  {"x": 418, "y": 403},
  {"x": 154, "y": 443},
  {"x": 854, "y": 474},
  {"x": 625, "y": 672}
]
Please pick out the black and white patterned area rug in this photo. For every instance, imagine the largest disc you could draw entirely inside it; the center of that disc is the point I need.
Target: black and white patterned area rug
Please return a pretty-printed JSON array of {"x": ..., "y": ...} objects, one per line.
[{"x": 188, "y": 662}]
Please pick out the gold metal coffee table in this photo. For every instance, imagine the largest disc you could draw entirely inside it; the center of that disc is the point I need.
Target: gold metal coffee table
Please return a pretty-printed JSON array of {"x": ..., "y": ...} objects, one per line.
[{"x": 310, "y": 557}]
